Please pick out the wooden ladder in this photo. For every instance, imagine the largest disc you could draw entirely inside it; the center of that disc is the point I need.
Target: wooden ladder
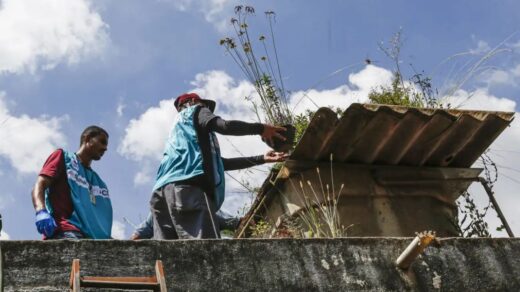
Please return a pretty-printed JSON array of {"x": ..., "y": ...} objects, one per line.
[{"x": 155, "y": 283}]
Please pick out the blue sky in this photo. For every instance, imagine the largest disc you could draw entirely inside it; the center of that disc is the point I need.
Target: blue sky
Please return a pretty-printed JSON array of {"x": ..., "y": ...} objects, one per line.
[{"x": 67, "y": 64}]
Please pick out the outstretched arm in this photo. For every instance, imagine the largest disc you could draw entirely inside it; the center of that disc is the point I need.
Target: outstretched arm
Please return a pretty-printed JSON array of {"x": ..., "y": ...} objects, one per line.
[
  {"x": 215, "y": 123},
  {"x": 234, "y": 127},
  {"x": 245, "y": 162},
  {"x": 242, "y": 162}
]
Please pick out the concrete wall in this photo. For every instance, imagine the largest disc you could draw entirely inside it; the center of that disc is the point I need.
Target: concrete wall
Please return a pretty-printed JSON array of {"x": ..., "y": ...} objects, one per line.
[
  {"x": 382, "y": 201},
  {"x": 362, "y": 264}
]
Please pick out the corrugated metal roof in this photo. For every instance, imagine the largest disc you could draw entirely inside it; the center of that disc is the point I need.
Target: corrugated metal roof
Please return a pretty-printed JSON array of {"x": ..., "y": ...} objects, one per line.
[
  {"x": 396, "y": 135},
  {"x": 379, "y": 135}
]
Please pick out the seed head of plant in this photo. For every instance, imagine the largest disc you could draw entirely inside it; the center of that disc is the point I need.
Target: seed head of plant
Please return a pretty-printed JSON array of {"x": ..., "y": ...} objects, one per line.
[{"x": 238, "y": 8}]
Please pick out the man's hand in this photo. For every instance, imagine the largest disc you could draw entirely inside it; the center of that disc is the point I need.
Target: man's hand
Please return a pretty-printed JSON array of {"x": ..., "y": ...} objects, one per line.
[
  {"x": 272, "y": 156},
  {"x": 45, "y": 224},
  {"x": 271, "y": 132}
]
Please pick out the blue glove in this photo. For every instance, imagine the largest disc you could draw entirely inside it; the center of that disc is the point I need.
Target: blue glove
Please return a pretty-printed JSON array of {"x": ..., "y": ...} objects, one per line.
[{"x": 45, "y": 223}]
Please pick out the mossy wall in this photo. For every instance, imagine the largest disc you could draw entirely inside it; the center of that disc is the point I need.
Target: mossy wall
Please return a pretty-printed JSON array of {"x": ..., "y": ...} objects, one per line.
[{"x": 361, "y": 264}]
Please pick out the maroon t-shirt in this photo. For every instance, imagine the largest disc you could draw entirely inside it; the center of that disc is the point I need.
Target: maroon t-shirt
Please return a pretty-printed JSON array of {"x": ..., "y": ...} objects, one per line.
[{"x": 59, "y": 191}]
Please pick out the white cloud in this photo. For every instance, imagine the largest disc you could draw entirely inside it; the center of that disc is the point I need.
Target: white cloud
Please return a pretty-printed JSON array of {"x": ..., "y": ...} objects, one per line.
[
  {"x": 360, "y": 84},
  {"x": 146, "y": 172},
  {"x": 215, "y": 12},
  {"x": 120, "y": 108},
  {"x": 118, "y": 230},
  {"x": 499, "y": 77},
  {"x": 480, "y": 99},
  {"x": 39, "y": 34},
  {"x": 229, "y": 95},
  {"x": 4, "y": 236},
  {"x": 482, "y": 47},
  {"x": 26, "y": 141},
  {"x": 145, "y": 136}
]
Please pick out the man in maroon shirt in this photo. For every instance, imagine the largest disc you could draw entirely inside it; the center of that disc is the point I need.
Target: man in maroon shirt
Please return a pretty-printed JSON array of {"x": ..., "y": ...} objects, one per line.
[{"x": 53, "y": 179}]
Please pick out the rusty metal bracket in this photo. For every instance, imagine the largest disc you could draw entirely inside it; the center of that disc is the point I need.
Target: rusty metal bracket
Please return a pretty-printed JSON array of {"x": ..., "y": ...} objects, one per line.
[
  {"x": 491, "y": 196},
  {"x": 416, "y": 247}
]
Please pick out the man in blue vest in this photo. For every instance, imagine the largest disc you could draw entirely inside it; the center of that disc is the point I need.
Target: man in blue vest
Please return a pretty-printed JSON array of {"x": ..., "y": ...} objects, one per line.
[
  {"x": 70, "y": 199},
  {"x": 190, "y": 183}
]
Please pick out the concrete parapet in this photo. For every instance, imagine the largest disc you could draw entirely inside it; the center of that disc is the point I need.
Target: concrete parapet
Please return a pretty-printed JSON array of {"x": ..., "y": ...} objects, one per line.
[{"x": 347, "y": 264}]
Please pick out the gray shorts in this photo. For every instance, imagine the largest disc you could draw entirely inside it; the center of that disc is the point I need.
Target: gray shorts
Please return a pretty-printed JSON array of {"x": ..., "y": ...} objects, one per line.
[{"x": 180, "y": 211}]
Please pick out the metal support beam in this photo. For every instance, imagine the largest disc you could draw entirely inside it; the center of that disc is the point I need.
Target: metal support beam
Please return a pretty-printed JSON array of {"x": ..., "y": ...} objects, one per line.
[{"x": 491, "y": 196}]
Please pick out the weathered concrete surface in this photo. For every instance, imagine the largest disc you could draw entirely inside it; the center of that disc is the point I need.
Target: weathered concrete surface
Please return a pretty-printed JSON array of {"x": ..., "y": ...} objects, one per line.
[{"x": 361, "y": 264}]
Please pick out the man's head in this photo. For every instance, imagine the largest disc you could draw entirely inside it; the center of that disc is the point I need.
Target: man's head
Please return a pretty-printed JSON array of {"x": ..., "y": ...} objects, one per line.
[
  {"x": 94, "y": 140},
  {"x": 190, "y": 99}
]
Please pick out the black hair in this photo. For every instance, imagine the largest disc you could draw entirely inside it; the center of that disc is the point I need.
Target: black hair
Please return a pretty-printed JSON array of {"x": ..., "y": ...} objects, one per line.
[{"x": 90, "y": 132}]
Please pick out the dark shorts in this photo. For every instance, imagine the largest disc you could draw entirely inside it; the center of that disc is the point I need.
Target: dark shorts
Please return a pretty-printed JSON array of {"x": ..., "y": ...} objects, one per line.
[{"x": 182, "y": 211}]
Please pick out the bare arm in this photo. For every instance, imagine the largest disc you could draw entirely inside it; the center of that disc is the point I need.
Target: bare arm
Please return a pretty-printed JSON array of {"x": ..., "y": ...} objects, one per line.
[{"x": 38, "y": 192}]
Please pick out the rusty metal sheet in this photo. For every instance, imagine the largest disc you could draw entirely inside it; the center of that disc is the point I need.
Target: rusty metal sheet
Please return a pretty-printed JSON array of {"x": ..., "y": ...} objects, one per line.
[
  {"x": 397, "y": 161},
  {"x": 348, "y": 132},
  {"x": 315, "y": 136},
  {"x": 397, "y": 135}
]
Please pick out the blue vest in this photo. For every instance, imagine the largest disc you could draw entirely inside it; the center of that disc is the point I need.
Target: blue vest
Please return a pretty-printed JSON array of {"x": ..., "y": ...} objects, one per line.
[
  {"x": 90, "y": 199},
  {"x": 182, "y": 158}
]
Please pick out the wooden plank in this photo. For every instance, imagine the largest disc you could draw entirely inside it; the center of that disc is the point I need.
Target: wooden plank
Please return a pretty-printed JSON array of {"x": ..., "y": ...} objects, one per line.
[
  {"x": 119, "y": 279},
  {"x": 119, "y": 285},
  {"x": 159, "y": 271},
  {"x": 75, "y": 276},
  {"x": 156, "y": 283}
]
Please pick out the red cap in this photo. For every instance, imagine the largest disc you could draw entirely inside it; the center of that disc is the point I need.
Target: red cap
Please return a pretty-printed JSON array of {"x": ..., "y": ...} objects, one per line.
[{"x": 181, "y": 99}]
